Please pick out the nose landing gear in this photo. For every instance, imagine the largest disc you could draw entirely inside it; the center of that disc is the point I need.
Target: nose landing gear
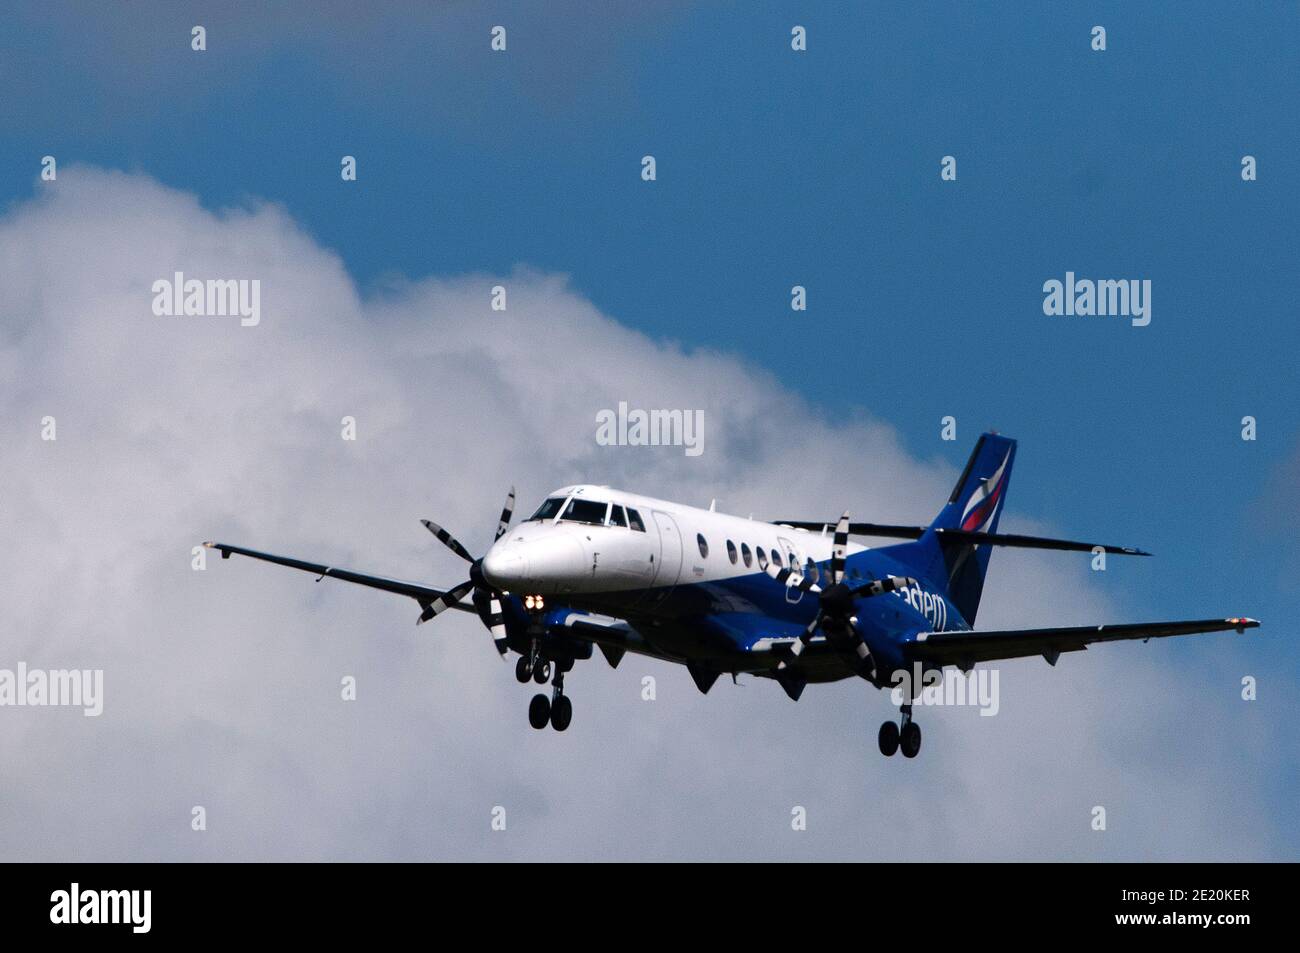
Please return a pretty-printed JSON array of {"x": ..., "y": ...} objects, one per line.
[
  {"x": 532, "y": 666},
  {"x": 907, "y": 736}
]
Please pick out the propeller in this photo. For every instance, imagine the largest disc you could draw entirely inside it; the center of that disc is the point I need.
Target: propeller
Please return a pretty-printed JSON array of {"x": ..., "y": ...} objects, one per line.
[
  {"x": 835, "y": 602},
  {"x": 487, "y": 601}
]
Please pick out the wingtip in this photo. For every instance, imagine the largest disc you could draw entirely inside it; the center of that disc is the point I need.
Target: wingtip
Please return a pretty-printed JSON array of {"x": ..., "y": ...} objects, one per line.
[{"x": 1244, "y": 622}]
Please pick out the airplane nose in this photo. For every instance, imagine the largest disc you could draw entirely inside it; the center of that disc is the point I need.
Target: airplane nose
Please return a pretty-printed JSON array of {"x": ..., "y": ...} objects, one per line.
[
  {"x": 505, "y": 568},
  {"x": 540, "y": 566}
]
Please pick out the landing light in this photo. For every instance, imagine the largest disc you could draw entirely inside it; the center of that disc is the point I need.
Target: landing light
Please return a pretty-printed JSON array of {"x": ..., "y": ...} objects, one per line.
[{"x": 534, "y": 603}]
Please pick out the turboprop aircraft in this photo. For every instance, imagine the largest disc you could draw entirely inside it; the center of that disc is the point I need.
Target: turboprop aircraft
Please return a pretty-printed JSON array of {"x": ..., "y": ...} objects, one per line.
[{"x": 789, "y": 600}]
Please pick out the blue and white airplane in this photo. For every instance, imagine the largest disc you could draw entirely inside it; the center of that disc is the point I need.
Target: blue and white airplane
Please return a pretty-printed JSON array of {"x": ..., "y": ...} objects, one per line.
[{"x": 793, "y": 601}]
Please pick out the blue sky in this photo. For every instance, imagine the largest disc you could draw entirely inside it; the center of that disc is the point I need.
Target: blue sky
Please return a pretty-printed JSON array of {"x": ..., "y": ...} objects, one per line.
[{"x": 819, "y": 169}]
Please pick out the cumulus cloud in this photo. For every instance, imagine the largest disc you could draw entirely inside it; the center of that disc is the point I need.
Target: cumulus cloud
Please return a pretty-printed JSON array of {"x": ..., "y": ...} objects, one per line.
[{"x": 222, "y": 686}]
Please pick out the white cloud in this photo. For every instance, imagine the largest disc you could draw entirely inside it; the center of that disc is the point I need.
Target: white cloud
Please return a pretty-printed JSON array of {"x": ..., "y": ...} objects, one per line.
[{"x": 222, "y": 687}]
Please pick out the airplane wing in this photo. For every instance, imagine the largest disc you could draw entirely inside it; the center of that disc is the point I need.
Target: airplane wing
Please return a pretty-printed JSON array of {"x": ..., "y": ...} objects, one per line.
[
  {"x": 959, "y": 537},
  {"x": 966, "y": 648},
  {"x": 421, "y": 594}
]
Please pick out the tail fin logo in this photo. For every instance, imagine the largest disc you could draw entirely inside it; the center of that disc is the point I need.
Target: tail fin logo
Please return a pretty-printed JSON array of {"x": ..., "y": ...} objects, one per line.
[{"x": 984, "y": 502}]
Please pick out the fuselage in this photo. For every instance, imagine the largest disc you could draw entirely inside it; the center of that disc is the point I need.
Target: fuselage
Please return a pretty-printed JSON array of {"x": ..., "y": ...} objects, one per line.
[{"x": 694, "y": 582}]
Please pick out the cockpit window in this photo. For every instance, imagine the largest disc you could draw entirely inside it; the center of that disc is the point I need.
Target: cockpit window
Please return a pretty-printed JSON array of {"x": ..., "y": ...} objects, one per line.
[
  {"x": 616, "y": 516},
  {"x": 585, "y": 511},
  {"x": 634, "y": 520},
  {"x": 547, "y": 510}
]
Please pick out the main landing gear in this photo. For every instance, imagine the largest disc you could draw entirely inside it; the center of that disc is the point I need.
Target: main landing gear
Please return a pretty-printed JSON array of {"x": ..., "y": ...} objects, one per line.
[
  {"x": 907, "y": 737},
  {"x": 556, "y": 710}
]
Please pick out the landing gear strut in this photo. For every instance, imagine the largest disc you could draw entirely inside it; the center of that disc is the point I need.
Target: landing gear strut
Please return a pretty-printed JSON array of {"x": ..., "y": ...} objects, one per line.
[{"x": 906, "y": 736}]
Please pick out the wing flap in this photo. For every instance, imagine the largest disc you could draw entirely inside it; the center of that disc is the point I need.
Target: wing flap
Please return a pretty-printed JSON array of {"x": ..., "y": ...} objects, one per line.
[{"x": 965, "y": 648}]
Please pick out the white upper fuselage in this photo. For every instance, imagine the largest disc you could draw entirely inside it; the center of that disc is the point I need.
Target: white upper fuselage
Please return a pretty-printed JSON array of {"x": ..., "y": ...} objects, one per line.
[{"x": 594, "y": 539}]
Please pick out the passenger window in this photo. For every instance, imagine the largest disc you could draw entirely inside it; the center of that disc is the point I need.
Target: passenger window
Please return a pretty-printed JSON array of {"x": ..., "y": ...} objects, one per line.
[
  {"x": 746, "y": 555},
  {"x": 634, "y": 520},
  {"x": 776, "y": 558},
  {"x": 703, "y": 544},
  {"x": 616, "y": 516},
  {"x": 731, "y": 552},
  {"x": 762, "y": 557},
  {"x": 585, "y": 511},
  {"x": 810, "y": 570}
]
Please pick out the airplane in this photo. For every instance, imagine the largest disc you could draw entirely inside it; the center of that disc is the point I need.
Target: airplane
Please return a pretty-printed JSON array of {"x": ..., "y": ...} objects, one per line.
[{"x": 793, "y": 601}]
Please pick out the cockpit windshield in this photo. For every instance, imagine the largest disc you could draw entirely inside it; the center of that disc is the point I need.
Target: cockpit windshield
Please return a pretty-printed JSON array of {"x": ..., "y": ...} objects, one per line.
[
  {"x": 585, "y": 511},
  {"x": 547, "y": 510},
  {"x": 591, "y": 512}
]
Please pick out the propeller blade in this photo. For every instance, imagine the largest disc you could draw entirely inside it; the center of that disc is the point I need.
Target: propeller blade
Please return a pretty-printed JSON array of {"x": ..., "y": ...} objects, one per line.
[
  {"x": 840, "y": 546},
  {"x": 797, "y": 649},
  {"x": 508, "y": 511},
  {"x": 448, "y": 540},
  {"x": 791, "y": 578},
  {"x": 844, "y": 635},
  {"x": 878, "y": 586},
  {"x": 488, "y": 604},
  {"x": 866, "y": 664},
  {"x": 444, "y": 602}
]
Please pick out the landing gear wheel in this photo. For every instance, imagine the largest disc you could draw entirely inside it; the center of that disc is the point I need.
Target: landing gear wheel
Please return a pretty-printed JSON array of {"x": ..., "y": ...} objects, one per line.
[
  {"x": 539, "y": 711},
  {"x": 542, "y": 672},
  {"x": 561, "y": 713},
  {"x": 910, "y": 740},
  {"x": 523, "y": 670},
  {"x": 888, "y": 739}
]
